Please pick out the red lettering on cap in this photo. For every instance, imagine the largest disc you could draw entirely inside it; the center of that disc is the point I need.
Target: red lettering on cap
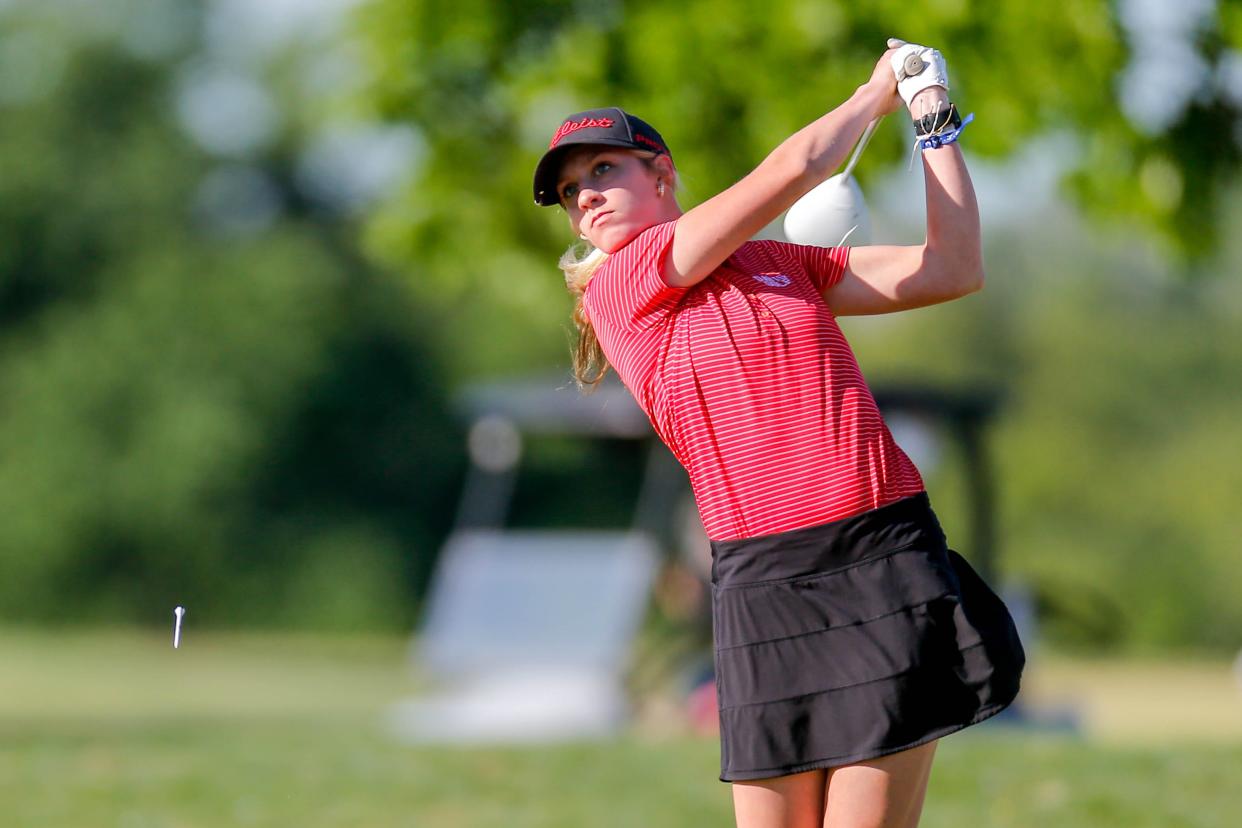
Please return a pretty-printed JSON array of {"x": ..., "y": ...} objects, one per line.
[
  {"x": 570, "y": 127},
  {"x": 643, "y": 139}
]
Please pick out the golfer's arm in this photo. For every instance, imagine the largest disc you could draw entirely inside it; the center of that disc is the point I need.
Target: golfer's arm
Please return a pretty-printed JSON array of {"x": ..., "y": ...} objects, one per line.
[
  {"x": 948, "y": 265},
  {"x": 709, "y": 233}
]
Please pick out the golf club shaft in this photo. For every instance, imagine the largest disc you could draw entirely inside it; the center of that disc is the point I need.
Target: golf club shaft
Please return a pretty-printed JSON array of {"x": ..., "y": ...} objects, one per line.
[{"x": 860, "y": 146}]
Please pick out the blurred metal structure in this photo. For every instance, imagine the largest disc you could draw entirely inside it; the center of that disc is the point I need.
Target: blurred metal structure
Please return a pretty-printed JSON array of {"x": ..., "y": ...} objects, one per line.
[
  {"x": 502, "y": 414},
  {"x": 528, "y": 631},
  {"x": 527, "y": 634}
]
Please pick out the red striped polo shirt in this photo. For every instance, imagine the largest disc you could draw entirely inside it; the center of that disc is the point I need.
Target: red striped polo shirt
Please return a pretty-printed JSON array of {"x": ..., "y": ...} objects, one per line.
[{"x": 749, "y": 381}]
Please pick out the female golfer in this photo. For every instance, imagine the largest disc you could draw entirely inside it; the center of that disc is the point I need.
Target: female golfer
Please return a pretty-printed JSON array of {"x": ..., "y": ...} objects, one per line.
[{"x": 848, "y": 637}]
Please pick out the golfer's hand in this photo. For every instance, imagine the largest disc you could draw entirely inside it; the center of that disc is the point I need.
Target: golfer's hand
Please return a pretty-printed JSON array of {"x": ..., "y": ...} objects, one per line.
[
  {"x": 928, "y": 89},
  {"x": 884, "y": 85}
]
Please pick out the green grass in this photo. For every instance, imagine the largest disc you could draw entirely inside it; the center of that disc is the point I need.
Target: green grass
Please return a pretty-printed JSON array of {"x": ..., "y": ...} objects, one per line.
[{"x": 120, "y": 730}]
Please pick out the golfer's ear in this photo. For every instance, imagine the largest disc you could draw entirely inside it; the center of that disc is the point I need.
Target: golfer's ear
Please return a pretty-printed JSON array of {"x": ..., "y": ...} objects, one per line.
[{"x": 664, "y": 166}]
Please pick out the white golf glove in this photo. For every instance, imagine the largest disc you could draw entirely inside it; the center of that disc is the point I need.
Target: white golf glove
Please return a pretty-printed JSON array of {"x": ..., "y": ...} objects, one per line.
[{"x": 917, "y": 68}]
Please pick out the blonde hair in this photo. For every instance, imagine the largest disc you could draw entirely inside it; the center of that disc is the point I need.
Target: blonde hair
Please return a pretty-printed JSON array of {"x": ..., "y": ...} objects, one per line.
[
  {"x": 590, "y": 364},
  {"x": 579, "y": 264}
]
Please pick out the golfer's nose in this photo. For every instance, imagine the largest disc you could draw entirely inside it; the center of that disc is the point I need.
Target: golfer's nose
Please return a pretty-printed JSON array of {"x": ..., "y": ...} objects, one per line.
[{"x": 588, "y": 198}]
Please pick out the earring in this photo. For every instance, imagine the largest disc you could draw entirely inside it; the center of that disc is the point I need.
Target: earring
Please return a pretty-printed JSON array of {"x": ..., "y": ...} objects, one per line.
[
  {"x": 660, "y": 189},
  {"x": 582, "y": 236}
]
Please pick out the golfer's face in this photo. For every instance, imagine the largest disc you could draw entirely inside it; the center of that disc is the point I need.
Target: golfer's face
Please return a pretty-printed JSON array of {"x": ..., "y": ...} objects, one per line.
[{"x": 610, "y": 196}]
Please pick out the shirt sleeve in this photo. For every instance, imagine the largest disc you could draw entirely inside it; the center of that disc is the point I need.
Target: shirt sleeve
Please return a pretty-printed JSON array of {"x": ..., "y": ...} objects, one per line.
[
  {"x": 825, "y": 265},
  {"x": 628, "y": 291}
]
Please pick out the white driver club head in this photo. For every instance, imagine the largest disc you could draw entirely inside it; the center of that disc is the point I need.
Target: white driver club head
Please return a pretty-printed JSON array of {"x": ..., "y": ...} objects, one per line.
[
  {"x": 834, "y": 210},
  {"x": 828, "y": 214}
]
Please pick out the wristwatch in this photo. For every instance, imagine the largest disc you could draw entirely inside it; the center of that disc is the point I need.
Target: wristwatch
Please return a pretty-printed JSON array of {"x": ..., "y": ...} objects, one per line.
[{"x": 936, "y": 122}]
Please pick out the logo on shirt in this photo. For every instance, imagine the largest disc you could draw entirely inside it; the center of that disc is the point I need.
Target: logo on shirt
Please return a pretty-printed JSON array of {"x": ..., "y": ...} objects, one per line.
[{"x": 773, "y": 279}]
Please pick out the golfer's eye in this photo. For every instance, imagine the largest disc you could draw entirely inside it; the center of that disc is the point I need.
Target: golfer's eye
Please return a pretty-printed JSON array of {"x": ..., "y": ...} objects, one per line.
[
  {"x": 601, "y": 168},
  {"x": 569, "y": 191}
]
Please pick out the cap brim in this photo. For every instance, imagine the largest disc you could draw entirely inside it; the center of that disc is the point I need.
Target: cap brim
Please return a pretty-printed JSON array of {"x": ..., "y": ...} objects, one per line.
[{"x": 549, "y": 167}]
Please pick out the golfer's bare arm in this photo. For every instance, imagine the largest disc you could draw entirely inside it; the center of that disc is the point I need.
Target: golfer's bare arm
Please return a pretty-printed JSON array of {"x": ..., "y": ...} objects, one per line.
[
  {"x": 948, "y": 265},
  {"x": 709, "y": 233}
]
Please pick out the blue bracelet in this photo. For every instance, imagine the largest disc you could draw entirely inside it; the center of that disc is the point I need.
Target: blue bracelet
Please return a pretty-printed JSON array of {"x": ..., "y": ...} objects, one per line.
[{"x": 944, "y": 138}]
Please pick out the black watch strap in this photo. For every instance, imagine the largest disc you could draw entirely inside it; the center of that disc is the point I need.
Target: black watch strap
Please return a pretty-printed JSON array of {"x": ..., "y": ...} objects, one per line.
[{"x": 939, "y": 121}]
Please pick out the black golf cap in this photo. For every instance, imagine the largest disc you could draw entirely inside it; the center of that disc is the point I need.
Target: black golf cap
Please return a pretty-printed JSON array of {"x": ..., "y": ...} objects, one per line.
[{"x": 609, "y": 126}]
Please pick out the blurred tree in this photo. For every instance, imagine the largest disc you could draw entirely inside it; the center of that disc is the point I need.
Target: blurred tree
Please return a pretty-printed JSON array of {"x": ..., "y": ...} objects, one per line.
[
  {"x": 207, "y": 397},
  {"x": 725, "y": 80}
]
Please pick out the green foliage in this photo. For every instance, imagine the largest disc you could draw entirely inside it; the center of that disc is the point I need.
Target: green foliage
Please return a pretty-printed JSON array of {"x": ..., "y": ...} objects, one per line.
[
  {"x": 726, "y": 80},
  {"x": 247, "y": 424}
]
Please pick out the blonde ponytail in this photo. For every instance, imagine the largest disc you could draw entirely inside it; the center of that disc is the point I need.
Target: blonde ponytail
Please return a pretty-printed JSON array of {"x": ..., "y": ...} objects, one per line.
[{"x": 590, "y": 364}]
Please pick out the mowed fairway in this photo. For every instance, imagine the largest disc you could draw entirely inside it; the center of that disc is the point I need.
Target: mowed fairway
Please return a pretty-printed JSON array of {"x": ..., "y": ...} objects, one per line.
[{"x": 118, "y": 729}]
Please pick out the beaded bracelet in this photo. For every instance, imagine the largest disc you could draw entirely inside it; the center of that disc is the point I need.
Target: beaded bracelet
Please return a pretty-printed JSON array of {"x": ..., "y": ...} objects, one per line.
[{"x": 948, "y": 136}]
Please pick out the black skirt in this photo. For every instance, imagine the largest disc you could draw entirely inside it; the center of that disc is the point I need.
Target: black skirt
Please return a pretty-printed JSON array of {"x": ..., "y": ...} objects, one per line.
[{"x": 851, "y": 640}]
